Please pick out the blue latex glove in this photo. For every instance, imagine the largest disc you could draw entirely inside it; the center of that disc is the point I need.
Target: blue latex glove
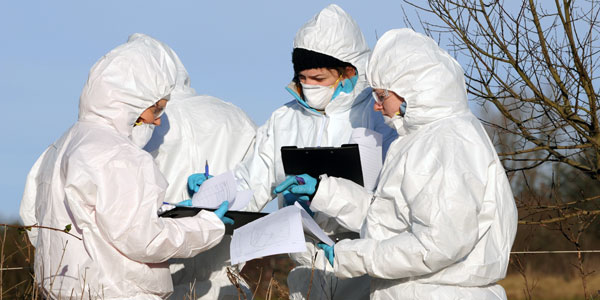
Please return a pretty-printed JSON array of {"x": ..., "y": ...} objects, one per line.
[
  {"x": 290, "y": 198},
  {"x": 328, "y": 251},
  {"x": 195, "y": 181},
  {"x": 298, "y": 184},
  {"x": 220, "y": 212},
  {"x": 187, "y": 202}
]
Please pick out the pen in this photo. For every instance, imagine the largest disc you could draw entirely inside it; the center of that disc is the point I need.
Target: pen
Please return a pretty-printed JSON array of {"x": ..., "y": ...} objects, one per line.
[
  {"x": 206, "y": 169},
  {"x": 187, "y": 203},
  {"x": 300, "y": 180}
]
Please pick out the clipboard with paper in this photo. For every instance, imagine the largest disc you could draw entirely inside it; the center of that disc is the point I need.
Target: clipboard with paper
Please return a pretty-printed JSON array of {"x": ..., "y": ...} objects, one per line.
[
  {"x": 359, "y": 161},
  {"x": 343, "y": 161}
]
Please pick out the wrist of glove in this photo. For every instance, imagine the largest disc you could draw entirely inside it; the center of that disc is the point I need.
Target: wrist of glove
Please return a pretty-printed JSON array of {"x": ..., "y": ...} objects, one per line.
[
  {"x": 187, "y": 202},
  {"x": 220, "y": 212},
  {"x": 290, "y": 198},
  {"x": 329, "y": 252}
]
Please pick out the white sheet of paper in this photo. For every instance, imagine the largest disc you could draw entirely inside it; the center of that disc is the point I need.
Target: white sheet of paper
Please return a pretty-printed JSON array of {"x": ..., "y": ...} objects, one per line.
[
  {"x": 216, "y": 190},
  {"x": 310, "y": 226},
  {"x": 370, "y": 147},
  {"x": 242, "y": 198},
  {"x": 279, "y": 232}
]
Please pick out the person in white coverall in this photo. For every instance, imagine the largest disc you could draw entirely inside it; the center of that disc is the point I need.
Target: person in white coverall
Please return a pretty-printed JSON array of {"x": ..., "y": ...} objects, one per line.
[
  {"x": 332, "y": 98},
  {"x": 442, "y": 220},
  {"x": 97, "y": 178},
  {"x": 196, "y": 129}
]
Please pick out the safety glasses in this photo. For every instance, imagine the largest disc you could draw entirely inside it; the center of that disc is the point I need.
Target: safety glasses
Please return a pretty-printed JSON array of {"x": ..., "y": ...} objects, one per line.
[
  {"x": 157, "y": 110},
  {"x": 380, "y": 96}
]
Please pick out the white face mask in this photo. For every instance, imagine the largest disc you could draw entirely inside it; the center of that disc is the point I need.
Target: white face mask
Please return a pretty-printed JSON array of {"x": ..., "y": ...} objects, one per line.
[
  {"x": 396, "y": 122},
  {"x": 317, "y": 96},
  {"x": 141, "y": 134},
  {"x": 390, "y": 121}
]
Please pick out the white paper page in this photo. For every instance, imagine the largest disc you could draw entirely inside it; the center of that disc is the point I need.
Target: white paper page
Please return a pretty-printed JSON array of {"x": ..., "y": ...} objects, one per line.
[
  {"x": 370, "y": 148},
  {"x": 216, "y": 190},
  {"x": 309, "y": 225},
  {"x": 279, "y": 232},
  {"x": 242, "y": 198}
]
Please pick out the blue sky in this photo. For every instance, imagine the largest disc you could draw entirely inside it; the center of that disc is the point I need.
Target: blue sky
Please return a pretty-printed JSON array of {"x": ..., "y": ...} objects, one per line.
[{"x": 239, "y": 51}]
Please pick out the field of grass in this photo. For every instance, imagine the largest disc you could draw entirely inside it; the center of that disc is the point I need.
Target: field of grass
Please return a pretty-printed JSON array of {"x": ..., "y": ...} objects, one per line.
[
  {"x": 550, "y": 287},
  {"x": 548, "y": 276}
]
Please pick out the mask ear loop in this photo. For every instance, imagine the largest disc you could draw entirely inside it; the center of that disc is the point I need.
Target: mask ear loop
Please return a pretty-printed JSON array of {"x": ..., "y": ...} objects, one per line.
[
  {"x": 402, "y": 112},
  {"x": 138, "y": 123},
  {"x": 337, "y": 81}
]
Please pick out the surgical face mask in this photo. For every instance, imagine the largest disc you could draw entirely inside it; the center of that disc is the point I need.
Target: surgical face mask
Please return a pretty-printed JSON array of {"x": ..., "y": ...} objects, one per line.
[
  {"x": 397, "y": 121},
  {"x": 389, "y": 121},
  {"x": 141, "y": 134},
  {"x": 317, "y": 96}
]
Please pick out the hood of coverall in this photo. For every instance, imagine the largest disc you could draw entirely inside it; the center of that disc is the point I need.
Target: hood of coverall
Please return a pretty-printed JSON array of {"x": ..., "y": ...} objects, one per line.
[
  {"x": 412, "y": 65},
  {"x": 183, "y": 82},
  {"x": 333, "y": 32},
  {"x": 126, "y": 81}
]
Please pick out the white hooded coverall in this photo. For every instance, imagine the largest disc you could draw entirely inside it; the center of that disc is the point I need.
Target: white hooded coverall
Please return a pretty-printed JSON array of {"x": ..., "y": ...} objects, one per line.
[
  {"x": 332, "y": 32},
  {"x": 443, "y": 218},
  {"x": 196, "y": 129},
  {"x": 109, "y": 189}
]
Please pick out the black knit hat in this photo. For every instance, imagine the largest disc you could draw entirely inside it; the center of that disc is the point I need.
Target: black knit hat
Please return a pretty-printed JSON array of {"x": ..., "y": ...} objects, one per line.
[{"x": 306, "y": 59}]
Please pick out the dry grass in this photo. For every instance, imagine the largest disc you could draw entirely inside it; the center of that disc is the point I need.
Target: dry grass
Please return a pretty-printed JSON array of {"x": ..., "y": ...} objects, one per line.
[
  {"x": 549, "y": 287},
  {"x": 552, "y": 277}
]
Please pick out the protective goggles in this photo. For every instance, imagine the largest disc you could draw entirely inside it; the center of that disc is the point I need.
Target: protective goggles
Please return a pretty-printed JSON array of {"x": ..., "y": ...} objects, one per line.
[
  {"x": 157, "y": 110},
  {"x": 379, "y": 98}
]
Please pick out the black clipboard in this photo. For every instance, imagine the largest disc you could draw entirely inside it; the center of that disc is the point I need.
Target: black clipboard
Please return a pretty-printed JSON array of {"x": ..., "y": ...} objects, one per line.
[
  {"x": 341, "y": 161},
  {"x": 240, "y": 218}
]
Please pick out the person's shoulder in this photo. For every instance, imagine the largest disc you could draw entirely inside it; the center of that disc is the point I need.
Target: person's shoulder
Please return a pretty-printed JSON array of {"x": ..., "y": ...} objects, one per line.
[
  {"x": 212, "y": 108},
  {"x": 101, "y": 146},
  {"x": 290, "y": 108},
  {"x": 460, "y": 136}
]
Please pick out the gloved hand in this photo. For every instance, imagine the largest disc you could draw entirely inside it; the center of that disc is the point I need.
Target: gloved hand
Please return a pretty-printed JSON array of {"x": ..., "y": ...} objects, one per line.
[
  {"x": 328, "y": 251},
  {"x": 220, "y": 212},
  {"x": 297, "y": 189},
  {"x": 290, "y": 198},
  {"x": 195, "y": 181},
  {"x": 187, "y": 202},
  {"x": 298, "y": 184}
]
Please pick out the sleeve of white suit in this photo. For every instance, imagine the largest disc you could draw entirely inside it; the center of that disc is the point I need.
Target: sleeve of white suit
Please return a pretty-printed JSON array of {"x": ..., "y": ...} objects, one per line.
[
  {"x": 443, "y": 213},
  {"x": 27, "y": 209},
  {"x": 343, "y": 200},
  {"x": 127, "y": 197},
  {"x": 256, "y": 171}
]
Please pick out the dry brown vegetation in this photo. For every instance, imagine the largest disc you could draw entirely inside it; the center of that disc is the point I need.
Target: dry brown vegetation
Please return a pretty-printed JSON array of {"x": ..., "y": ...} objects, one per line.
[{"x": 530, "y": 276}]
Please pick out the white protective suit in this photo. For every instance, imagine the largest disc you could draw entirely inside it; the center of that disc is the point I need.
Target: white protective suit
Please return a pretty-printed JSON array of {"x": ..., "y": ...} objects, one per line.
[
  {"x": 443, "y": 218},
  {"x": 333, "y": 32},
  {"x": 195, "y": 129},
  {"x": 109, "y": 189}
]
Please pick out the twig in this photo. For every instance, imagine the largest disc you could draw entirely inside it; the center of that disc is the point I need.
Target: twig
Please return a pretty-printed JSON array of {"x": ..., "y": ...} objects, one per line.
[
  {"x": 2, "y": 263},
  {"x": 42, "y": 227},
  {"x": 555, "y": 252},
  {"x": 235, "y": 280},
  {"x": 562, "y": 218},
  {"x": 312, "y": 273},
  {"x": 11, "y": 269},
  {"x": 59, "y": 265}
]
